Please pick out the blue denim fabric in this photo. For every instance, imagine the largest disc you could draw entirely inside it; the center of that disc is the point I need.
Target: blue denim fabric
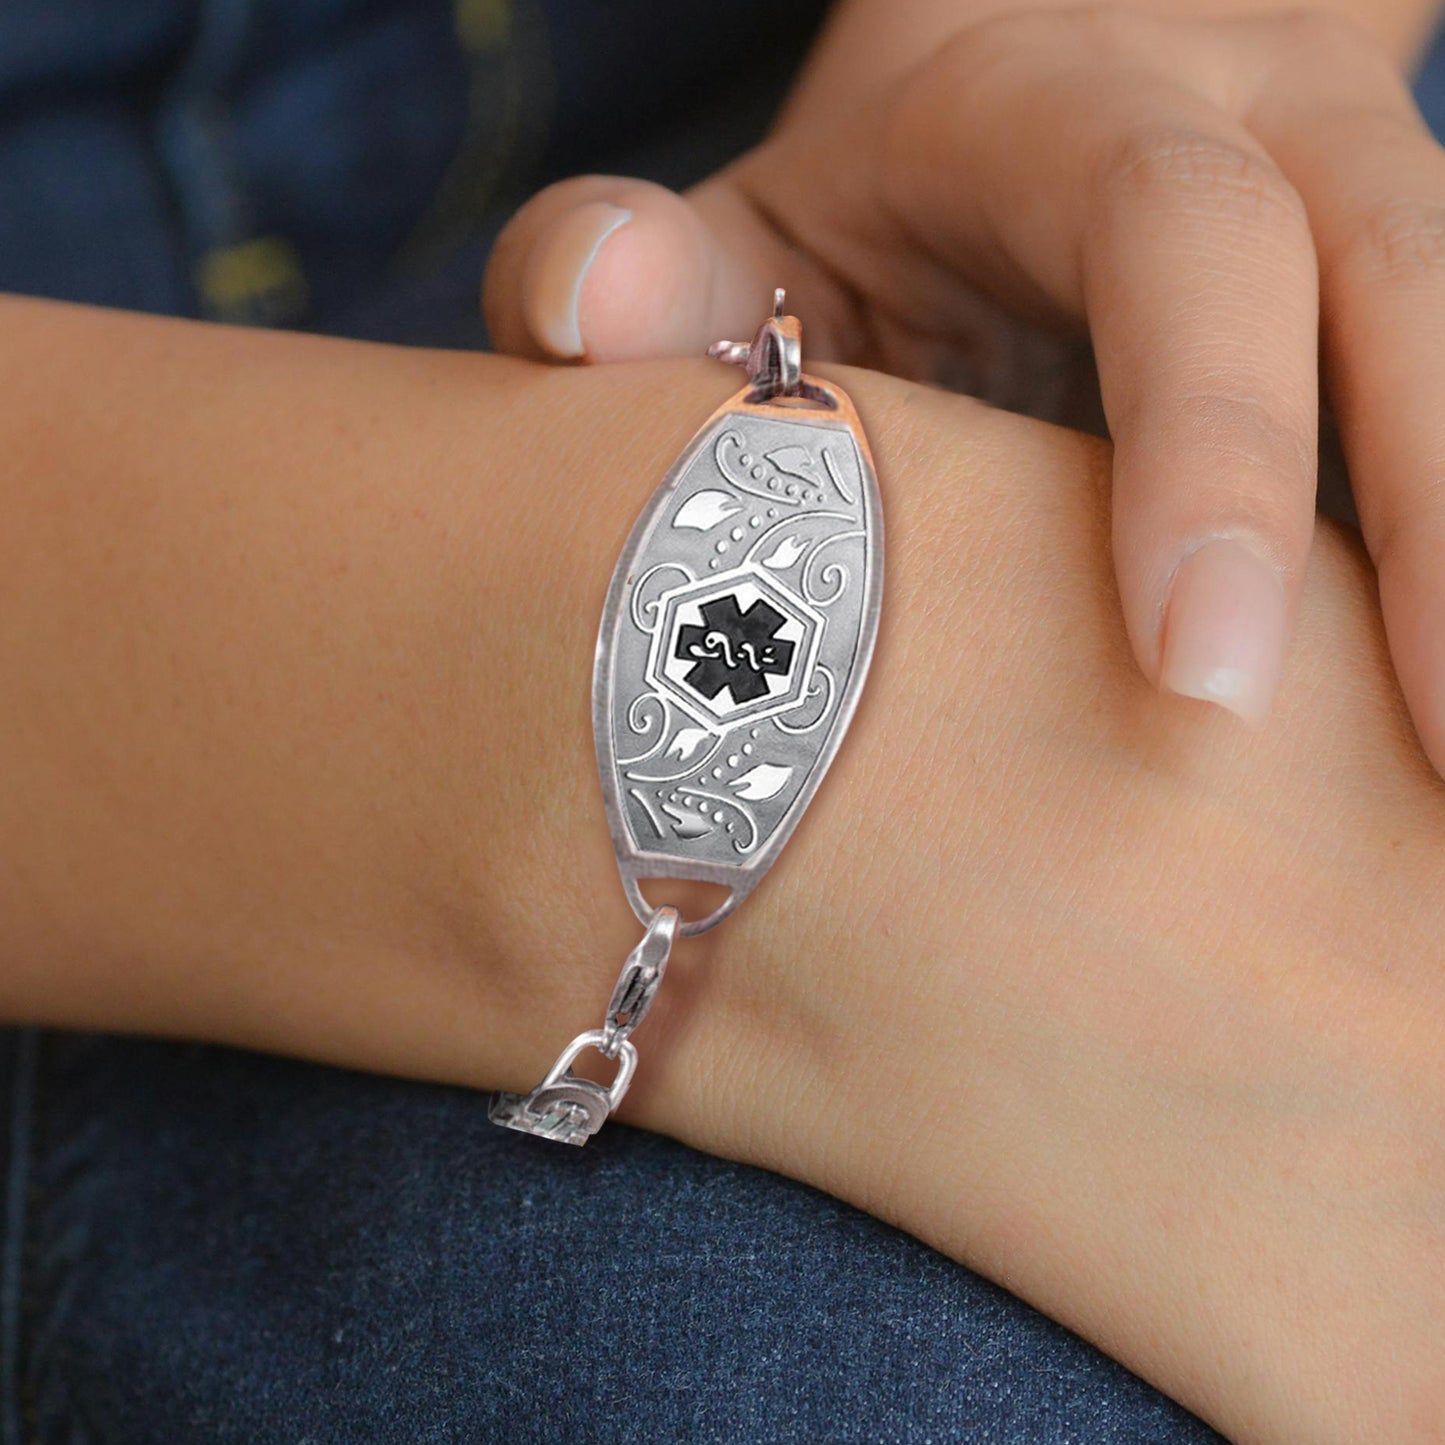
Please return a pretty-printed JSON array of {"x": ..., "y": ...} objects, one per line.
[
  {"x": 225, "y": 1248},
  {"x": 344, "y": 164},
  {"x": 200, "y": 1245}
]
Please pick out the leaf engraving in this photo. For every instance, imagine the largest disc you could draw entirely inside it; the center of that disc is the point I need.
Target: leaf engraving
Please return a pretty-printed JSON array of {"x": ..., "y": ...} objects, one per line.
[
  {"x": 766, "y": 780},
  {"x": 687, "y": 742},
  {"x": 704, "y": 510},
  {"x": 785, "y": 553},
  {"x": 686, "y": 823},
  {"x": 796, "y": 462}
]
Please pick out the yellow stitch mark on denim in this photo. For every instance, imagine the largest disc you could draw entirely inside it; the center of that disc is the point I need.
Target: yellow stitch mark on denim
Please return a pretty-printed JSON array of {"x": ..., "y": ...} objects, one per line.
[
  {"x": 483, "y": 25},
  {"x": 262, "y": 274}
]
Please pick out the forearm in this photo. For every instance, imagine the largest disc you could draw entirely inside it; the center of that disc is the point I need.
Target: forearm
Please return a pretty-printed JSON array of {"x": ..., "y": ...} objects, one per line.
[
  {"x": 1132, "y": 1009},
  {"x": 261, "y": 639}
]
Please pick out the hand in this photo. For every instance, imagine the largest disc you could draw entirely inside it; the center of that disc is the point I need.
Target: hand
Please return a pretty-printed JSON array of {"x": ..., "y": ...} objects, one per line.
[{"x": 1201, "y": 195}]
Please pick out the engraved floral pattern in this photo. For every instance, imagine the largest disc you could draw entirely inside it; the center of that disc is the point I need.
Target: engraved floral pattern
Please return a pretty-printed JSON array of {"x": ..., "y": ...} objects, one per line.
[{"x": 750, "y": 555}]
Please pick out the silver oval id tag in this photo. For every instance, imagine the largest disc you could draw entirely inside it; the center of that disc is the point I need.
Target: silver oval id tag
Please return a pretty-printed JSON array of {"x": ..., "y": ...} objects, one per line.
[
  {"x": 738, "y": 630},
  {"x": 734, "y": 643}
]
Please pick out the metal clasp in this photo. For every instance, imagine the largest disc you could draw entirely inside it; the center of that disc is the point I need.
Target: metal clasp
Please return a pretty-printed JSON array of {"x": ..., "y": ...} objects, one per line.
[
  {"x": 638, "y": 982},
  {"x": 774, "y": 357},
  {"x": 565, "y": 1106}
]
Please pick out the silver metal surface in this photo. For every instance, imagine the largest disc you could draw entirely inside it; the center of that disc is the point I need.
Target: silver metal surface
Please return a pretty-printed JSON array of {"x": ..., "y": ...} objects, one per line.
[
  {"x": 737, "y": 631},
  {"x": 566, "y": 1107},
  {"x": 638, "y": 982},
  {"x": 774, "y": 357}
]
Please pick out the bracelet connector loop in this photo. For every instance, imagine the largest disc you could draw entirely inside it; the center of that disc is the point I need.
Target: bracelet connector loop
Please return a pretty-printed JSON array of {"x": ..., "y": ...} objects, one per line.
[{"x": 565, "y": 1106}]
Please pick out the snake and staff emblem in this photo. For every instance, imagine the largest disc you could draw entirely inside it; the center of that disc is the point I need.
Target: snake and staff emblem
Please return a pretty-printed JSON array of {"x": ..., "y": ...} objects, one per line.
[{"x": 734, "y": 649}]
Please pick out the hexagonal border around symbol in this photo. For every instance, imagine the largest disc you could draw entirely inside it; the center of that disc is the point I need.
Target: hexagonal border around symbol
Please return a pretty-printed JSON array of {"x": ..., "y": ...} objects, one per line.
[{"x": 721, "y": 584}]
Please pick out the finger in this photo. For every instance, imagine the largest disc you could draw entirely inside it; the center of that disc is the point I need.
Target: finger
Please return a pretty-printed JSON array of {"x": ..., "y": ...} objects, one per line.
[
  {"x": 603, "y": 268},
  {"x": 1174, "y": 234},
  {"x": 1345, "y": 129},
  {"x": 1200, "y": 287}
]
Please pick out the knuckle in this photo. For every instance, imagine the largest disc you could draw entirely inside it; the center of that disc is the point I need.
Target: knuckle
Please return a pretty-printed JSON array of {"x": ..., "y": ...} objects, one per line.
[
  {"x": 973, "y": 53},
  {"x": 963, "y": 78},
  {"x": 1257, "y": 458},
  {"x": 910, "y": 131},
  {"x": 1096, "y": 32},
  {"x": 1400, "y": 242},
  {"x": 1340, "y": 49},
  {"x": 1267, "y": 434},
  {"x": 1105, "y": 27},
  {"x": 1029, "y": 37},
  {"x": 1321, "y": 31},
  {"x": 1170, "y": 164}
]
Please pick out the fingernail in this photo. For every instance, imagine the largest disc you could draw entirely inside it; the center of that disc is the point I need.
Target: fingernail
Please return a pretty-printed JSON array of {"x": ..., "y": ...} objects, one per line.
[
  {"x": 554, "y": 281},
  {"x": 1224, "y": 630}
]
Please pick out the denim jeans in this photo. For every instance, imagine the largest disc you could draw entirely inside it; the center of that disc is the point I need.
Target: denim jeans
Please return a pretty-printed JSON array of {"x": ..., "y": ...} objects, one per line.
[
  {"x": 202, "y": 1245},
  {"x": 210, "y": 1246}
]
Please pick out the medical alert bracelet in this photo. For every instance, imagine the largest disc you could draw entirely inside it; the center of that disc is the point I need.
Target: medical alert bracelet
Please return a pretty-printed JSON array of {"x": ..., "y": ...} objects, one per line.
[{"x": 734, "y": 644}]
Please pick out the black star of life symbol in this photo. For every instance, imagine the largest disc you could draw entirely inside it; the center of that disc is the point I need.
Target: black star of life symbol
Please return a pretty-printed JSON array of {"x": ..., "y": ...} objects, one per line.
[{"x": 734, "y": 649}]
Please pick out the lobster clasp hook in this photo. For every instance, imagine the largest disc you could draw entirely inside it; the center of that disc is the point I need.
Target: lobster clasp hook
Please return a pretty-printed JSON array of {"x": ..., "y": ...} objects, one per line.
[{"x": 774, "y": 357}]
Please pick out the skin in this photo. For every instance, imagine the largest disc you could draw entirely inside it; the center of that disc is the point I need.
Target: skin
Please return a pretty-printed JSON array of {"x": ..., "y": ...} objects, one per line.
[
  {"x": 1133, "y": 1011},
  {"x": 1231, "y": 201},
  {"x": 870, "y": 42}
]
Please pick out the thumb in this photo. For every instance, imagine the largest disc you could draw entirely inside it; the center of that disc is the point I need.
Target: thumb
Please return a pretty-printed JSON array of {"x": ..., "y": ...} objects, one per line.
[{"x": 602, "y": 268}]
